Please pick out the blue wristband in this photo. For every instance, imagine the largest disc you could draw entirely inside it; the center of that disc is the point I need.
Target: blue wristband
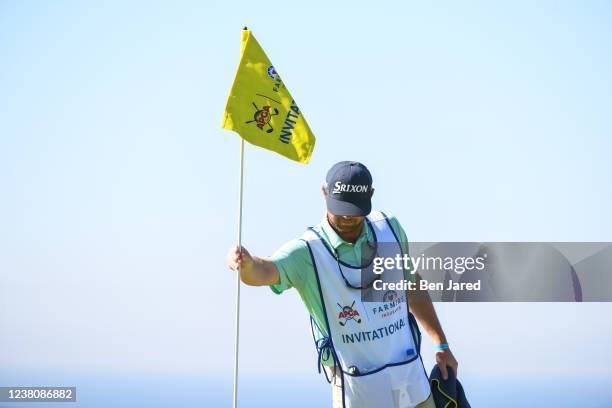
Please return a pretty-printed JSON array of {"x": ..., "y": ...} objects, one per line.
[{"x": 443, "y": 346}]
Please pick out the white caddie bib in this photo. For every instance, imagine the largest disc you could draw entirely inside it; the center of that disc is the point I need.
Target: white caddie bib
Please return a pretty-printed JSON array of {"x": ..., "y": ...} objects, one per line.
[{"x": 372, "y": 342}]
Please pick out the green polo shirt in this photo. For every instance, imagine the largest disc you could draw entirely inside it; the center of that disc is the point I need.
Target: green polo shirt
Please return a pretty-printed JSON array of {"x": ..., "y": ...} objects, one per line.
[{"x": 296, "y": 270}]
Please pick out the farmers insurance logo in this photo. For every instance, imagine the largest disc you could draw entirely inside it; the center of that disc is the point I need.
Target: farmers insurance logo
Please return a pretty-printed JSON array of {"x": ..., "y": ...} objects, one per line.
[
  {"x": 272, "y": 72},
  {"x": 340, "y": 187},
  {"x": 348, "y": 313},
  {"x": 390, "y": 296},
  {"x": 278, "y": 82}
]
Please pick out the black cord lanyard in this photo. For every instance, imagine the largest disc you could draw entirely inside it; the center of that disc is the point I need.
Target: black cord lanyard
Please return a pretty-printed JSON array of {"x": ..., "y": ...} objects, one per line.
[{"x": 374, "y": 279}]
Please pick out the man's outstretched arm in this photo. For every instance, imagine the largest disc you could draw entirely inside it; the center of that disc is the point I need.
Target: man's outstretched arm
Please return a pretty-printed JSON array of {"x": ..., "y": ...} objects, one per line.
[
  {"x": 422, "y": 308},
  {"x": 254, "y": 271}
]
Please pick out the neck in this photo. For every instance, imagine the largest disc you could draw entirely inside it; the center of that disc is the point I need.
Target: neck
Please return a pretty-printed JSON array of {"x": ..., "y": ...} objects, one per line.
[{"x": 350, "y": 236}]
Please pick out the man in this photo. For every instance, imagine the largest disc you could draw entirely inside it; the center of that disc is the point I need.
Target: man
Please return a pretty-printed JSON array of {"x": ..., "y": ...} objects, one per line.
[{"x": 368, "y": 349}]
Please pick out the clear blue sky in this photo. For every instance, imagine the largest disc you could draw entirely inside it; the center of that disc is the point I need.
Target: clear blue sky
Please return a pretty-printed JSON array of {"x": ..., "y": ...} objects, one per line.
[{"x": 479, "y": 120}]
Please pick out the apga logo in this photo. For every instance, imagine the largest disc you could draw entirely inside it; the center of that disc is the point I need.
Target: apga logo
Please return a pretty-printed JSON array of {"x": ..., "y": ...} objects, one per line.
[
  {"x": 348, "y": 313},
  {"x": 262, "y": 117}
]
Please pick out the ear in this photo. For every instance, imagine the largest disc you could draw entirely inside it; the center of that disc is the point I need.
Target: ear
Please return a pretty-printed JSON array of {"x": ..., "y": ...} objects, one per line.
[{"x": 324, "y": 191}]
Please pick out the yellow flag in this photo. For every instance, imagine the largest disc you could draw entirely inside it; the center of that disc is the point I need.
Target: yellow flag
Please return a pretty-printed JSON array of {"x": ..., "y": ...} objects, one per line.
[{"x": 261, "y": 110}]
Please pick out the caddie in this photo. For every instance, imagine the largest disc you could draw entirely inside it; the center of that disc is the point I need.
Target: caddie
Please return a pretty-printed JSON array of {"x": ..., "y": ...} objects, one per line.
[{"x": 369, "y": 350}]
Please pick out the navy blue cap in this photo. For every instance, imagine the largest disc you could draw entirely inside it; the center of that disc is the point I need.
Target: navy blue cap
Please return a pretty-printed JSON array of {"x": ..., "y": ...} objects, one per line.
[{"x": 349, "y": 189}]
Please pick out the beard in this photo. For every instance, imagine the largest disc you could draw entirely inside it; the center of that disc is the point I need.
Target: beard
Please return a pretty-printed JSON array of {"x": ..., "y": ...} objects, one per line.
[{"x": 343, "y": 225}]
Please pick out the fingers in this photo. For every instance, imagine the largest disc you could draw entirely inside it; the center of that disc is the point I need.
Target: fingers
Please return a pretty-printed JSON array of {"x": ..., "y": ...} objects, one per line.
[
  {"x": 236, "y": 256},
  {"x": 456, "y": 368},
  {"x": 442, "y": 366},
  {"x": 451, "y": 361}
]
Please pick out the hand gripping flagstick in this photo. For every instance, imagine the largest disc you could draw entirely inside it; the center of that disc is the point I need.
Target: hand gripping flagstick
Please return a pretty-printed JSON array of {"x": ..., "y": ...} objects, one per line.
[{"x": 263, "y": 112}]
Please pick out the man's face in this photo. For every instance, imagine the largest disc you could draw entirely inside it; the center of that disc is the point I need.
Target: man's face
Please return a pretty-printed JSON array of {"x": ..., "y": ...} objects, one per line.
[{"x": 345, "y": 224}]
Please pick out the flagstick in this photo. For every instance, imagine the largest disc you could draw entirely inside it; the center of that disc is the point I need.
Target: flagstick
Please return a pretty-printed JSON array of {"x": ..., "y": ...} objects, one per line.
[{"x": 238, "y": 277}]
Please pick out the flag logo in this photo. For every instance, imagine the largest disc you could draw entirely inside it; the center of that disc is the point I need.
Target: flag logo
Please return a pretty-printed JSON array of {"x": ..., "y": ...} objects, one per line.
[{"x": 262, "y": 117}]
